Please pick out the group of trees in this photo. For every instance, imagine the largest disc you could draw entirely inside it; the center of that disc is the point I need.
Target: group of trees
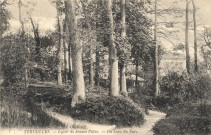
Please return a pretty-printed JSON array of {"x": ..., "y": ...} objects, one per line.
[
  {"x": 113, "y": 23},
  {"x": 84, "y": 28},
  {"x": 87, "y": 30}
]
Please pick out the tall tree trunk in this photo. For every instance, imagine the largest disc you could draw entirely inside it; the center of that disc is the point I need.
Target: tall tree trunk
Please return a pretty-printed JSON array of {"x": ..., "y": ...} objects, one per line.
[
  {"x": 76, "y": 53},
  {"x": 205, "y": 56},
  {"x": 195, "y": 37},
  {"x": 97, "y": 66},
  {"x": 37, "y": 49},
  {"x": 91, "y": 54},
  {"x": 69, "y": 62},
  {"x": 136, "y": 81},
  {"x": 37, "y": 39},
  {"x": 123, "y": 83},
  {"x": 97, "y": 55},
  {"x": 157, "y": 88},
  {"x": 65, "y": 46},
  {"x": 25, "y": 47},
  {"x": 91, "y": 69},
  {"x": 113, "y": 59},
  {"x": 59, "y": 53},
  {"x": 186, "y": 39}
]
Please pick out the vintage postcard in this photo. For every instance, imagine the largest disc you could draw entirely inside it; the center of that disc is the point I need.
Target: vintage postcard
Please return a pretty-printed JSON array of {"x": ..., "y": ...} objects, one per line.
[{"x": 105, "y": 67}]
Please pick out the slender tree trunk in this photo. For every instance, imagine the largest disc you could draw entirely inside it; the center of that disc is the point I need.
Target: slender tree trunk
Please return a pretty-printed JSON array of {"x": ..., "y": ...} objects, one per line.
[
  {"x": 59, "y": 53},
  {"x": 91, "y": 55},
  {"x": 37, "y": 49},
  {"x": 97, "y": 57},
  {"x": 205, "y": 56},
  {"x": 91, "y": 69},
  {"x": 65, "y": 44},
  {"x": 25, "y": 47},
  {"x": 37, "y": 39},
  {"x": 195, "y": 37},
  {"x": 136, "y": 81},
  {"x": 76, "y": 53},
  {"x": 157, "y": 88},
  {"x": 1, "y": 74},
  {"x": 186, "y": 39},
  {"x": 123, "y": 83},
  {"x": 113, "y": 59},
  {"x": 69, "y": 62}
]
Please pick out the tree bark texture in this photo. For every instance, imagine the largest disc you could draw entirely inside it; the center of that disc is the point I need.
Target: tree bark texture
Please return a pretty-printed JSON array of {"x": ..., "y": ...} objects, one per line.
[
  {"x": 91, "y": 54},
  {"x": 69, "y": 62},
  {"x": 97, "y": 76},
  {"x": 113, "y": 59},
  {"x": 97, "y": 54},
  {"x": 157, "y": 88},
  {"x": 186, "y": 38},
  {"x": 25, "y": 47},
  {"x": 123, "y": 83},
  {"x": 195, "y": 38},
  {"x": 60, "y": 47},
  {"x": 37, "y": 39},
  {"x": 76, "y": 53},
  {"x": 65, "y": 46}
]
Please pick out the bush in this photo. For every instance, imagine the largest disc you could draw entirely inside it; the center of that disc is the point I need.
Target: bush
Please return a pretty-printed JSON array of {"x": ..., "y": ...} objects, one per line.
[
  {"x": 18, "y": 111},
  {"x": 47, "y": 92},
  {"x": 104, "y": 83},
  {"x": 138, "y": 98},
  {"x": 181, "y": 124},
  {"x": 166, "y": 127},
  {"x": 204, "y": 109},
  {"x": 173, "y": 84},
  {"x": 193, "y": 87},
  {"x": 98, "y": 108},
  {"x": 107, "y": 110},
  {"x": 164, "y": 102},
  {"x": 13, "y": 61},
  {"x": 161, "y": 102},
  {"x": 191, "y": 124},
  {"x": 16, "y": 117},
  {"x": 183, "y": 108},
  {"x": 186, "y": 117},
  {"x": 191, "y": 109}
]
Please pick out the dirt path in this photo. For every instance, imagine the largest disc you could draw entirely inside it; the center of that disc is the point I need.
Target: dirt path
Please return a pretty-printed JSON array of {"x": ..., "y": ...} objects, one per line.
[{"x": 82, "y": 127}]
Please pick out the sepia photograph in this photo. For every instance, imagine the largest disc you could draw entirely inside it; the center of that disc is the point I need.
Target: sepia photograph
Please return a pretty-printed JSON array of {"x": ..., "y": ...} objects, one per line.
[{"x": 105, "y": 67}]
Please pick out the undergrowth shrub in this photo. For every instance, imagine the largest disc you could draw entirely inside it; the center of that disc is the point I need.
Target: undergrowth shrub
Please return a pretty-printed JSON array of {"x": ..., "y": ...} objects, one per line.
[
  {"x": 107, "y": 110},
  {"x": 98, "y": 108},
  {"x": 192, "y": 87},
  {"x": 16, "y": 117},
  {"x": 164, "y": 102},
  {"x": 19, "y": 111},
  {"x": 181, "y": 124},
  {"x": 191, "y": 109},
  {"x": 166, "y": 127},
  {"x": 186, "y": 117},
  {"x": 104, "y": 83},
  {"x": 138, "y": 98},
  {"x": 191, "y": 124}
]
